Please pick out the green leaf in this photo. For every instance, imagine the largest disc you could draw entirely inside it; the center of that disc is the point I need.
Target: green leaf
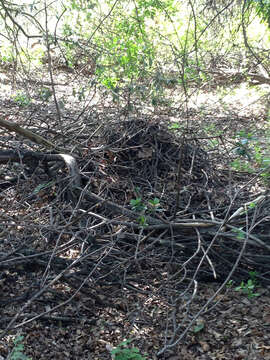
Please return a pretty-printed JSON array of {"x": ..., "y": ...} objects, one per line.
[
  {"x": 142, "y": 220},
  {"x": 154, "y": 202},
  {"x": 135, "y": 202},
  {"x": 43, "y": 186},
  {"x": 198, "y": 328},
  {"x": 174, "y": 126},
  {"x": 252, "y": 205}
]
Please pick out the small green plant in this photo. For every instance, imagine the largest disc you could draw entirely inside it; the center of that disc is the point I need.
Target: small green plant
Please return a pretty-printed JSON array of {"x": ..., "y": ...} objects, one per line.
[
  {"x": 240, "y": 234},
  {"x": 252, "y": 155},
  {"x": 45, "y": 93},
  {"x": 138, "y": 205},
  {"x": 123, "y": 352},
  {"x": 22, "y": 99},
  {"x": 241, "y": 165},
  {"x": 198, "y": 328},
  {"x": 174, "y": 126},
  {"x": 252, "y": 205},
  {"x": 17, "y": 351},
  {"x": 212, "y": 130},
  {"x": 244, "y": 144},
  {"x": 154, "y": 205},
  {"x": 7, "y": 56},
  {"x": 229, "y": 284},
  {"x": 249, "y": 287},
  {"x": 43, "y": 186},
  {"x": 142, "y": 220},
  {"x": 253, "y": 276}
]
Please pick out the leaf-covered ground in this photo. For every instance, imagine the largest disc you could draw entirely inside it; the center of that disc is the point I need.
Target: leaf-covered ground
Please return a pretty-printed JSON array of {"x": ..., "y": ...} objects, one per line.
[{"x": 128, "y": 283}]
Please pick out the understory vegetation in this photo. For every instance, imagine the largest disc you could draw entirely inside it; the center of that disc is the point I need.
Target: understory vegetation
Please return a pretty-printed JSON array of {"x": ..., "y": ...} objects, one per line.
[{"x": 134, "y": 179}]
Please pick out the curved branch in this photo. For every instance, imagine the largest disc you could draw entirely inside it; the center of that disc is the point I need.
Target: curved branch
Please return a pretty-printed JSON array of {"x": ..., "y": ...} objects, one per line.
[{"x": 29, "y": 134}]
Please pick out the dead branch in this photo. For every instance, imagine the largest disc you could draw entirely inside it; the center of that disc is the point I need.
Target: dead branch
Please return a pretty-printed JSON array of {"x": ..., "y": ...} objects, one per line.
[{"x": 11, "y": 126}]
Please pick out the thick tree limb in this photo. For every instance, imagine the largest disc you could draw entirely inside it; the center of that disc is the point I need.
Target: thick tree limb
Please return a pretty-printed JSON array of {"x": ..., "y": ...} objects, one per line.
[{"x": 28, "y": 156}]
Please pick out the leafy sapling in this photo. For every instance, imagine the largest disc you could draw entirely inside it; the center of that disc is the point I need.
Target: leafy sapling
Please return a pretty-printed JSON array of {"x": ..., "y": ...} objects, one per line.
[
  {"x": 249, "y": 287},
  {"x": 154, "y": 205},
  {"x": 138, "y": 205}
]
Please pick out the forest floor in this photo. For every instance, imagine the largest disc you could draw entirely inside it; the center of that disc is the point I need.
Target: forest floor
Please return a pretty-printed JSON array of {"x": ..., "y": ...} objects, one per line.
[{"x": 232, "y": 326}]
